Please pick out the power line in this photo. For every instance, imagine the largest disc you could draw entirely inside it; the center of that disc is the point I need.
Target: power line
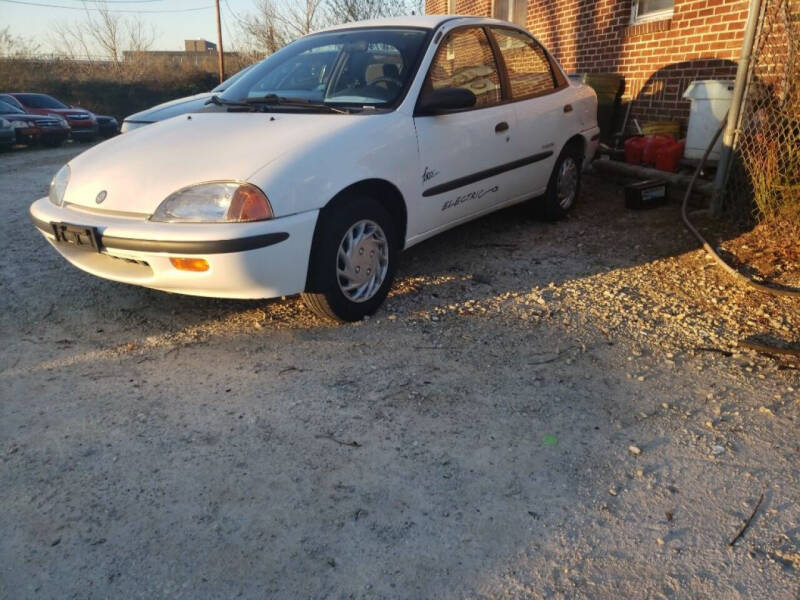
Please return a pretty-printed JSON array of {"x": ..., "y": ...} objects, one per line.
[{"x": 179, "y": 10}]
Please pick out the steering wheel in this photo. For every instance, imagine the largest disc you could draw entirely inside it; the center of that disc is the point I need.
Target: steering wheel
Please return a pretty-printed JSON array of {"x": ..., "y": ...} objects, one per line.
[{"x": 393, "y": 80}]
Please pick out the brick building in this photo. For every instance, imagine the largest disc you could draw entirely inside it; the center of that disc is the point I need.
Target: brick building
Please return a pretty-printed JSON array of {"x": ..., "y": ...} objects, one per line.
[{"x": 659, "y": 46}]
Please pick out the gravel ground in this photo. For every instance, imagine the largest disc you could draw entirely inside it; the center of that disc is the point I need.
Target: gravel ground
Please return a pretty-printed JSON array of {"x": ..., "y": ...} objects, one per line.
[{"x": 539, "y": 411}]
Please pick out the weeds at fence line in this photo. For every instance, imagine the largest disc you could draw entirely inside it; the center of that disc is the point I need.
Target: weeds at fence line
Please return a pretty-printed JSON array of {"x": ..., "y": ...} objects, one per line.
[
  {"x": 765, "y": 179},
  {"x": 109, "y": 89}
]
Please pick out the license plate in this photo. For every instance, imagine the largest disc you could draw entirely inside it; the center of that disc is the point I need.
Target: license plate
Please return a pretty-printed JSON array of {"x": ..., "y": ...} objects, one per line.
[{"x": 79, "y": 236}]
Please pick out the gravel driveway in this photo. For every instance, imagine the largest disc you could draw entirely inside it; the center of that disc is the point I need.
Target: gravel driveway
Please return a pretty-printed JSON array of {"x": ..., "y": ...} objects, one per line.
[{"x": 539, "y": 411}]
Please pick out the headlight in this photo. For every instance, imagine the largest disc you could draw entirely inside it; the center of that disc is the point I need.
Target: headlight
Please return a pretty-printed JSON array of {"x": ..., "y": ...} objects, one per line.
[
  {"x": 21, "y": 124},
  {"x": 59, "y": 185},
  {"x": 4, "y": 124},
  {"x": 215, "y": 202}
]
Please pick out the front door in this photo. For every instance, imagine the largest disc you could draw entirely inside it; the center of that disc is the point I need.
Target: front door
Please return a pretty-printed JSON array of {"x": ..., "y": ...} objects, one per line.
[{"x": 466, "y": 156}]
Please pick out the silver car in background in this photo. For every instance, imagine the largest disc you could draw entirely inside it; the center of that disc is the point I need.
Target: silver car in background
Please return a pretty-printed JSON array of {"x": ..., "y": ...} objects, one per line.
[{"x": 179, "y": 106}]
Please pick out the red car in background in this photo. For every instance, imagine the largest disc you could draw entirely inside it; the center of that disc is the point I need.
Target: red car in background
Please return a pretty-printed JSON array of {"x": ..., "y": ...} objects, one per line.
[
  {"x": 81, "y": 121},
  {"x": 51, "y": 130}
]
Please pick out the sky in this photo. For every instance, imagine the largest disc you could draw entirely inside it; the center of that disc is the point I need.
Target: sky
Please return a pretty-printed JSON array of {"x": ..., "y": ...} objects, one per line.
[{"x": 35, "y": 22}]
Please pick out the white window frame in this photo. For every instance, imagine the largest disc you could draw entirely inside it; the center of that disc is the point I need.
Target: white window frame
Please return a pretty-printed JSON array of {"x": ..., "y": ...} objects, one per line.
[
  {"x": 658, "y": 15},
  {"x": 510, "y": 16},
  {"x": 451, "y": 7}
]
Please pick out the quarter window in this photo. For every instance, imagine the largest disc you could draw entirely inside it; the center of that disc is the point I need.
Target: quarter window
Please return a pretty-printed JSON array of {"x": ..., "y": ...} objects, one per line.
[
  {"x": 514, "y": 11},
  {"x": 465, "y": 60},
  {"x": 527, "y": 65}
]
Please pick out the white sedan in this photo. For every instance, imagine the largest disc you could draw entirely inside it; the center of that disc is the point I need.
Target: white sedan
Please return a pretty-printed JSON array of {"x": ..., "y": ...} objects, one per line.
[{"x": 313, "y": 171}]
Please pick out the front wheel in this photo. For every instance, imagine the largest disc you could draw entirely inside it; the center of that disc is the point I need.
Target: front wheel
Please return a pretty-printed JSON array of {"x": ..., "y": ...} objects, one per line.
[
  {"x": 564, "y": 186},
  {"x": 352, "y": 261}
]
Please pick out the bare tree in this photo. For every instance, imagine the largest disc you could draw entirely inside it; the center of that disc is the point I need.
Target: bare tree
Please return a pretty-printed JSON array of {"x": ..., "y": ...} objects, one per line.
[
  {"x": 275, "y": 23},
  {"x": 263, "y": 30},
  {"x": 345, "y": 11},
  {"x": 14, "y": 46},
  {"x": 102, "y": 33},
  {"x": 301, "y": 18}
]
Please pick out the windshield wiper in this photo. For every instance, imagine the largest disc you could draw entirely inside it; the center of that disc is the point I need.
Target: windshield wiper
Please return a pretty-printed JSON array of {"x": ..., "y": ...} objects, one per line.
[
  {"x": 222, "y": 102},
  {"x": 275, "y": 100}
]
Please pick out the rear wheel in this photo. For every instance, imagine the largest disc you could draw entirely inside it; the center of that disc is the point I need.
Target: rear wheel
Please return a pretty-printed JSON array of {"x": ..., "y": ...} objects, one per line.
[
  {"x": 352, "y": 260},
  {"x": 564, "y": 185}
]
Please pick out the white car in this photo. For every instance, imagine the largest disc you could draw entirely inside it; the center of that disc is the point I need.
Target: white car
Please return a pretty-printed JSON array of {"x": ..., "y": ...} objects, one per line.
[{"x": 313, "y": 171}]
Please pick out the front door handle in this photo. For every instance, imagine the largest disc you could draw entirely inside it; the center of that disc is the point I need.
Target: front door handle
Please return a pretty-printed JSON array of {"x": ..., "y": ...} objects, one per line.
[{"x": 501, "y": 127}]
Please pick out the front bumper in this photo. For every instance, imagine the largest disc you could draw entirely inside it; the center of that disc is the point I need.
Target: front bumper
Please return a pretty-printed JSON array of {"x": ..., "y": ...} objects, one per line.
[
  {"x": 267, "y": 259},
  {"x": 83, "y": 130}
]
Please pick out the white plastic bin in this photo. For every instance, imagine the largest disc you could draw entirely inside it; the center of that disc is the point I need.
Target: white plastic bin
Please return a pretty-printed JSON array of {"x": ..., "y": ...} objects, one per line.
[{"x": 711, "y": 99}]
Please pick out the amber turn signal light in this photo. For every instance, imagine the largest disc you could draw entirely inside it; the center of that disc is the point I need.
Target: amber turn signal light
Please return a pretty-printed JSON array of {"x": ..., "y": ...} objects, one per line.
[{"x": 190, "y": 264}]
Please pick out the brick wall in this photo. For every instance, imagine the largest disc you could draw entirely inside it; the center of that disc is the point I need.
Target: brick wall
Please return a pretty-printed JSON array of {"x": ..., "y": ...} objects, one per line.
[{"x": 702, "y": 40}]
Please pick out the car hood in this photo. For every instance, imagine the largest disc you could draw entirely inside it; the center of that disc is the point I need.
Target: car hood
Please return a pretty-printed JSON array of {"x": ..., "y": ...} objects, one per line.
[
  {"x": 173, "y": 108},
  {"x": 141, "y": 168}
]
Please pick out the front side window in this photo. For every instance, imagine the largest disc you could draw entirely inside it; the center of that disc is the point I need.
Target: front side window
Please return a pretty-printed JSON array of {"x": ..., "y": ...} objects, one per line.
[
  {"x": 514, "y": 11},
  {"x": 465, "y": 60},
  {"x": 527, "y": 65},
  {"x": 359, "y": 67},
  {"x": 652, "y": 10}
]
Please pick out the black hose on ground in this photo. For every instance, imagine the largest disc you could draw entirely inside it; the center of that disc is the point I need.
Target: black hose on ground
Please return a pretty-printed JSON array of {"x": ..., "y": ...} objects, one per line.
[
  {"x": 774, "y": 290},
  {"x": 768, "y": 289}
]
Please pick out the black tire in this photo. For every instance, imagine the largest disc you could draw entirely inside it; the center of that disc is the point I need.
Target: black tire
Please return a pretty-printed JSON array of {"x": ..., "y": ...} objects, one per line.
[
  {"x": 324, "y": 294},
  {"x": 551, "y": 206}
]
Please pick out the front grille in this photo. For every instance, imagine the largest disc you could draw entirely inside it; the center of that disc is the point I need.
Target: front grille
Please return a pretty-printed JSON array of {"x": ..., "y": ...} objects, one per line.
[
  {"x": 78, "y": 117},
  {"x": 48, "y": 123}
]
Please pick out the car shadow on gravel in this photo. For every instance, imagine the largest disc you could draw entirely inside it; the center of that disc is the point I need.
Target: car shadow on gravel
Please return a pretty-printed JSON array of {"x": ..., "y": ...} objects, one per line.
[{"x": 503, "y": 253}]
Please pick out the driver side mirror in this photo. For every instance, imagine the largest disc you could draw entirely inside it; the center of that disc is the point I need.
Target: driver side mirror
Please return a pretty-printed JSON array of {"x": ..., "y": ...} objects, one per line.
[{"x": 446, "y": 99}]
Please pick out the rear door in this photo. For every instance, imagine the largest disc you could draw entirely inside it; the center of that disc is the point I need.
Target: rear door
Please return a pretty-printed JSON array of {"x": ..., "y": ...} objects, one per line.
[
  {"x": 540, "y": 98},
  {"x": 465, "y": 154}
]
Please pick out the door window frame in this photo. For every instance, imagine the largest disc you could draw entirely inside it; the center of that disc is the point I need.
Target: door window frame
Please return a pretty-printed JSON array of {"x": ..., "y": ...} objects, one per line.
[{"x": 560, "y": 81}]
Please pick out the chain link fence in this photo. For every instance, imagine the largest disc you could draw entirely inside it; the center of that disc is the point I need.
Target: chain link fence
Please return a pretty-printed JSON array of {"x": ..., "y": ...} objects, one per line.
[{"x": 764, "y": 181}]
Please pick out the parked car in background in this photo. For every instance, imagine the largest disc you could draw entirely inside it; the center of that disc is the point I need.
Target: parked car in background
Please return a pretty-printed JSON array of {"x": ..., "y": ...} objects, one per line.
[
  {"x": 107, "y": 126},
  {"x": 82, "y": 123},
  {"x": 7, "y": 134},
  {"x": 51, "y": 130},
  {"x": 311, "y": 175},
  {"x": 179, "y": 106}
]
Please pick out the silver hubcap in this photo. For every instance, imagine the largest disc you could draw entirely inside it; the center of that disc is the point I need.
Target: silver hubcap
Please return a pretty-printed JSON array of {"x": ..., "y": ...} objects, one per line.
[
  {"x": 362, "y": 261},
  {"x": 567, "y": 182}
]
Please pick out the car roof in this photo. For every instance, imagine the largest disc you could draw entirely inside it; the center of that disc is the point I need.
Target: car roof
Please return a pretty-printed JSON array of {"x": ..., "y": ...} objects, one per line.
[{"x": 424, "y": 22}]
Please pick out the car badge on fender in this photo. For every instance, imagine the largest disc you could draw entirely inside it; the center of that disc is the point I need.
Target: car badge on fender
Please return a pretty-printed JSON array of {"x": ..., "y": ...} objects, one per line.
[{"x": 100, "y": 197}]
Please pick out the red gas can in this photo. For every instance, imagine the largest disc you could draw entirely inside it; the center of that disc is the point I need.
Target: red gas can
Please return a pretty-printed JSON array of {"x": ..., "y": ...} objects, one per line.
[
  {"x": 653, "y": 145},
  {"x": 633, "y": 150},
  {"x": 668, "y": 157}
]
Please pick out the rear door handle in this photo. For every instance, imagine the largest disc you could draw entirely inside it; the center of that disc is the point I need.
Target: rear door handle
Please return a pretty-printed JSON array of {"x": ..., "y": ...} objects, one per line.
[
  {"x": 501, "y": 127},
  {"x": 568, "y": 108}
]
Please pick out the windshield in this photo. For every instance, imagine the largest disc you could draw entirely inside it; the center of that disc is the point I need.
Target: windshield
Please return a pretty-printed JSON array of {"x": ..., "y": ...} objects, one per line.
[
  {"x": 40, "y": 101},
  {"x": 8, "y": 109},
  {"x": 361, "y": 67},
  {"x": 231, "y": 80}
]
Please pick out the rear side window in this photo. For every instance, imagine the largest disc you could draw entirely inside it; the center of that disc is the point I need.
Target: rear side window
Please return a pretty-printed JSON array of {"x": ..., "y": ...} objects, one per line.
[
  {"x": 529, "y": 70},
  {"x": 465, "y": 60}
]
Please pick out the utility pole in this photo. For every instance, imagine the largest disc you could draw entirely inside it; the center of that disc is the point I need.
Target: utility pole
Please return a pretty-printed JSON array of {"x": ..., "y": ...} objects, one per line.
[{"x": 220, "y": 53}]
